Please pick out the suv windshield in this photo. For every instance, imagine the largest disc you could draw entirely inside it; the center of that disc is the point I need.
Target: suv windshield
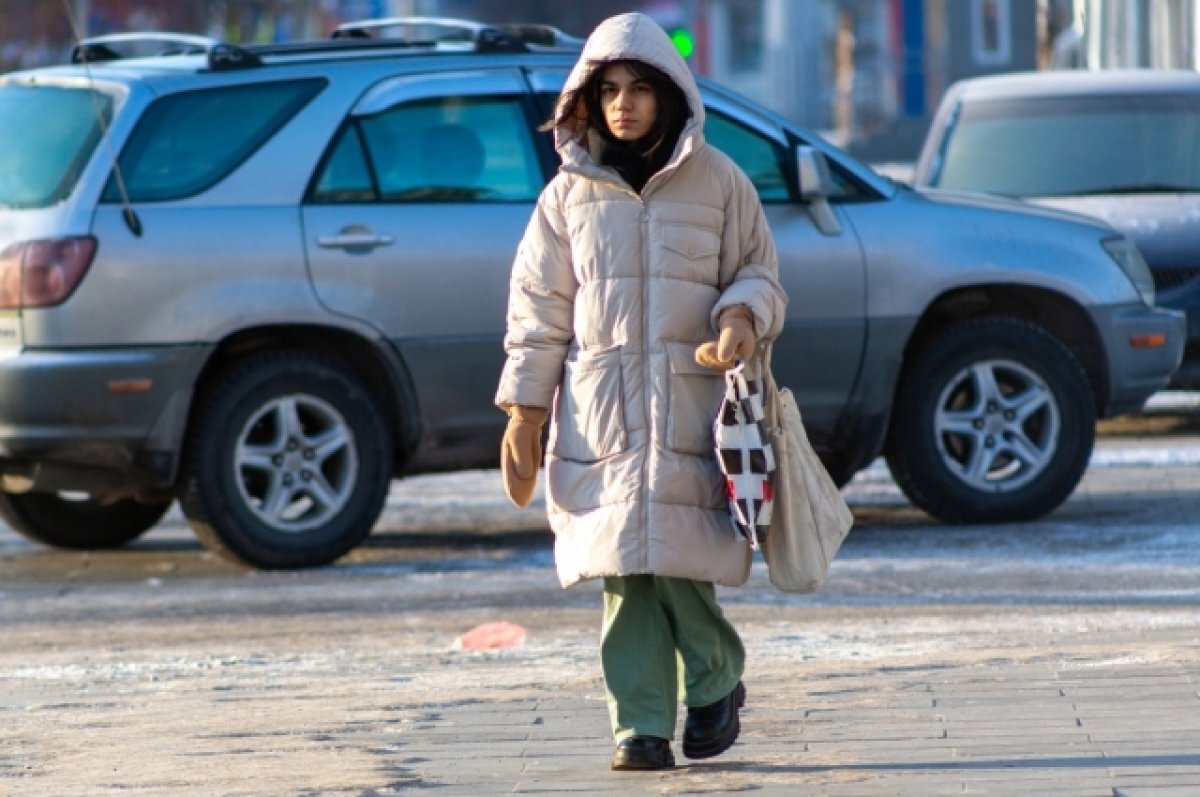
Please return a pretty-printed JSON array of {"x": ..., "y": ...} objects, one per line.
[
  {"x": 1056, "y": 146},
  {"x": 47, "y": 134}
]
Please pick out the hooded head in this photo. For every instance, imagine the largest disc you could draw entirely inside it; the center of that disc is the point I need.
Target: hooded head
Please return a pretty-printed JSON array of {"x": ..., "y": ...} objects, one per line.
[{"x": 580, "y": 130}]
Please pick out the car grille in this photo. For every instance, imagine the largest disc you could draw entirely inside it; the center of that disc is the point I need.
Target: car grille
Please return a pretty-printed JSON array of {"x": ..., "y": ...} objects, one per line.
[{"x": 1169, "y": 279}]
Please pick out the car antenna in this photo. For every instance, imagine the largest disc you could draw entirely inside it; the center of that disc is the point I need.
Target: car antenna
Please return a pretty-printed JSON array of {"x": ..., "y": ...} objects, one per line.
[{"x": 128, "y": 213}]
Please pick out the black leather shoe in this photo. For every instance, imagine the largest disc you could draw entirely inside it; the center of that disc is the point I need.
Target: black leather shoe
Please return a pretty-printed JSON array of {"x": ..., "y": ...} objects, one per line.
[
  {"x": 711, "y": 730},
  {"x": 643, "y": 752}
]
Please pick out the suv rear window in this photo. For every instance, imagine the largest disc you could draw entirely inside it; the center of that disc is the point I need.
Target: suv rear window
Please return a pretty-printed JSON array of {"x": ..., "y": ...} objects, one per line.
[
  {"x": 47, "y": 135},
  {"x": 188, "y": 142}
]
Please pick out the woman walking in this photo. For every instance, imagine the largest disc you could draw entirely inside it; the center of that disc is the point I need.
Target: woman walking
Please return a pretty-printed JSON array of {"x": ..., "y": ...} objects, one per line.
[{"x": 645, "y": 247}]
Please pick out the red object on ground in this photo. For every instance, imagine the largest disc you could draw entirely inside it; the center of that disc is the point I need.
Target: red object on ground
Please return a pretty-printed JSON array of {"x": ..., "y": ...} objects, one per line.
[{"x": 492, "y": 636}]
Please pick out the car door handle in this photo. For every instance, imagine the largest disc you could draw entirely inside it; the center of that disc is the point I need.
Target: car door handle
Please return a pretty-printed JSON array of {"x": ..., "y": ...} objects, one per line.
[{"x": 356, "y": 240}]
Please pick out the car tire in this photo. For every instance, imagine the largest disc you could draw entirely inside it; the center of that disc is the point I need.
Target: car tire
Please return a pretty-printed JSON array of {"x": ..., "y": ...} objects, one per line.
[
  {"x": 288, "y": 462},
  {"x": 86, "y": 524},
  {"x": 994, "y": 422}
]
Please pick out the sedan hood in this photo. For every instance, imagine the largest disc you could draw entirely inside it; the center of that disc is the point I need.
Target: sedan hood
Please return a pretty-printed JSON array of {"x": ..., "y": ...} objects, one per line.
[{"x": 1165, "y": 227}]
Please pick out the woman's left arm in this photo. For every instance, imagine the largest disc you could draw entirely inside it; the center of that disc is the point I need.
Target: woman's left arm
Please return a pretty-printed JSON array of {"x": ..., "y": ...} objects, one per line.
[{"x": 749, "y": 264}]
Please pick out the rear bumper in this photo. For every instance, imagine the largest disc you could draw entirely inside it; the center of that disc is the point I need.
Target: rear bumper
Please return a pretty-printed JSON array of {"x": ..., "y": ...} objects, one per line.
[
  {"x": 70, "y": 416},
  {"x": 1136, "y": 373}
]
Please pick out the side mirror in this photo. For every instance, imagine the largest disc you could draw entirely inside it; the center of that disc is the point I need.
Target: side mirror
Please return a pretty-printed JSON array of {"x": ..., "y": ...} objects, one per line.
[{"x": 816, "y": 185}]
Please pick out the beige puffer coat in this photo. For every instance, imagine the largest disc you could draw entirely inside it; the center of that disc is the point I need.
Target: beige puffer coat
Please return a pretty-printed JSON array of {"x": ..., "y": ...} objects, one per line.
[{"x": 611, "y": 293}]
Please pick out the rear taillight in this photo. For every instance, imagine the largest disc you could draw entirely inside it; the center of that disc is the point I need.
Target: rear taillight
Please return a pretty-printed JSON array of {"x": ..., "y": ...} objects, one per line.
[{"x": 43, "y": 273}]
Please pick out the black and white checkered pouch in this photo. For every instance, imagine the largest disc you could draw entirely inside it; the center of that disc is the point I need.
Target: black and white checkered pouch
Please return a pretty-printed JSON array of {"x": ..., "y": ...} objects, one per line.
[{"x": 745, "y": 455}]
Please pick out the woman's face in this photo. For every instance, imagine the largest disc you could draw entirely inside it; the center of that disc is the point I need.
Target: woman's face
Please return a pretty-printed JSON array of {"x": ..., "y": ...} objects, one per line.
[{"x": 629, "y": 103}]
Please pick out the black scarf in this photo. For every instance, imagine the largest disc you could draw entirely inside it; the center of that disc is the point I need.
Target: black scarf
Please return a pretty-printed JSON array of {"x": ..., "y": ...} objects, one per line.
[{"x": 631, "y": 159}]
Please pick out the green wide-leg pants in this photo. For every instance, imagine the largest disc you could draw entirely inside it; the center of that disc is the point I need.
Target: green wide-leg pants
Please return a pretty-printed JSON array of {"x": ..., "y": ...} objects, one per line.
[{"x": 664, "y": 640}]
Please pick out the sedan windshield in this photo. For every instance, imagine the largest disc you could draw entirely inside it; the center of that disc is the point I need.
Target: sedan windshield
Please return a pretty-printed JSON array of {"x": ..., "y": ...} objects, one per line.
[
  {"x": 1055, "y": 146},
  {"x": 47, "y": 134}
]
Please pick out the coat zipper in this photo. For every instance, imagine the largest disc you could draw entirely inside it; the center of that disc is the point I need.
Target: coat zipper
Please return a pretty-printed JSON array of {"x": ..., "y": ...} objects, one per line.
[{"x": 647, "y": 377}]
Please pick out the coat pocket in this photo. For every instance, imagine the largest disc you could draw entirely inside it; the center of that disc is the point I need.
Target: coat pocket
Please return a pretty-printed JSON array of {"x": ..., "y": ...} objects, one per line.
[
  {"x": 590, "y": 415},
  {"x": 694, "y": 395},
  {"x": 690, "y": 252}
]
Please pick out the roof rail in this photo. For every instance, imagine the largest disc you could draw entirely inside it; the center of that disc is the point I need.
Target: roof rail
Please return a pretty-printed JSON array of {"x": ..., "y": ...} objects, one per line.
[
  {"x": 224, "y": 57},
  {"x": 148, "y": 44},
  {"x": 134, "y": 45},
  {"x": 433, "y": 31},
  {"x": 543, "y": 35},
  {"x": 447, "y": 28},
  {"x": 484, "y": 37}
]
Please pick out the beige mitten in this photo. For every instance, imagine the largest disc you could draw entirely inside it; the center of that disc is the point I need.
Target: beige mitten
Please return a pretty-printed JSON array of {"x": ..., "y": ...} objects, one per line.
[
  {"x": 521, "y": 452},
  {"x": 736, "y": 339}
]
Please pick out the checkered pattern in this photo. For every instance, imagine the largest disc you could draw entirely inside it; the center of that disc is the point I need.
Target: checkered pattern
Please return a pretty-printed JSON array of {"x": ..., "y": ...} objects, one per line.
[{"x": 745, "y": 455}]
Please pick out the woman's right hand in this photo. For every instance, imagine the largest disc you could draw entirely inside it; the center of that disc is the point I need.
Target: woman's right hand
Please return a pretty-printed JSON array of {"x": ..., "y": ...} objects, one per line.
[{"x": 521, "y": 452}]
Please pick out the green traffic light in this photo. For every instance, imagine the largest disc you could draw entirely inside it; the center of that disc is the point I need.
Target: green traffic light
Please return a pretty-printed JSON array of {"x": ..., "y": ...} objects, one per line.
[{"x": 683, "y": 41}]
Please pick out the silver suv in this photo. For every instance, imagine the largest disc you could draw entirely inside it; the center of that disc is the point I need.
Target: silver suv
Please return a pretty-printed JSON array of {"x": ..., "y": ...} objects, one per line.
[{"x": 292, "y": 289}]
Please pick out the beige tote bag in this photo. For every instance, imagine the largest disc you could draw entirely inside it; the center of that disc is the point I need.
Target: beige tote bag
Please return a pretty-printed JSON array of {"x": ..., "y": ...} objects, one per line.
[{"x": 810, "y": 518}]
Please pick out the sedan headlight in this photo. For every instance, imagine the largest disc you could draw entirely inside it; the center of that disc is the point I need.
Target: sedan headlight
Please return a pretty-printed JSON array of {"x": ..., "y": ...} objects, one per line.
[{"x": 1127, "y": 256}]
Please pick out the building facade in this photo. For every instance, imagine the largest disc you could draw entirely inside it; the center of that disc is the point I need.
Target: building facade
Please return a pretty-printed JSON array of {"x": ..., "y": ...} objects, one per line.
[
  {"x": 1109, "y": 34},
  {"x": 866, "y": 73}
]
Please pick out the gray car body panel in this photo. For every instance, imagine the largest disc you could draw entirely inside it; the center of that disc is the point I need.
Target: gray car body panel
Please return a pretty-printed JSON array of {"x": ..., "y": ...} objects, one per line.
[{"x": 984, "y": 240}]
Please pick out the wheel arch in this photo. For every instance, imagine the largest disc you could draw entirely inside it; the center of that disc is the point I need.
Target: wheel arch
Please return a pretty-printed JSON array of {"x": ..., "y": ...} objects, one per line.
[
  {"x": 379, "y": 367},
  {"x": 1058, "y": 315}
]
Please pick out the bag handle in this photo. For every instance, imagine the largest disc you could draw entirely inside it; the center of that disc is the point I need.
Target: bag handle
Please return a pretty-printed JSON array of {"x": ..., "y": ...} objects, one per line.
[{"x": 770, "y": 388}]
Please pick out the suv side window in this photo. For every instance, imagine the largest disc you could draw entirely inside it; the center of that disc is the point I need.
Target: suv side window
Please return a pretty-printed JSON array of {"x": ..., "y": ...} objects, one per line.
[
  {"x": 473, "y": 149},
  {"x": 764, "y": 162},
  {"x": 761, "y": 159},
  {"x": 188, "y": 142}
]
